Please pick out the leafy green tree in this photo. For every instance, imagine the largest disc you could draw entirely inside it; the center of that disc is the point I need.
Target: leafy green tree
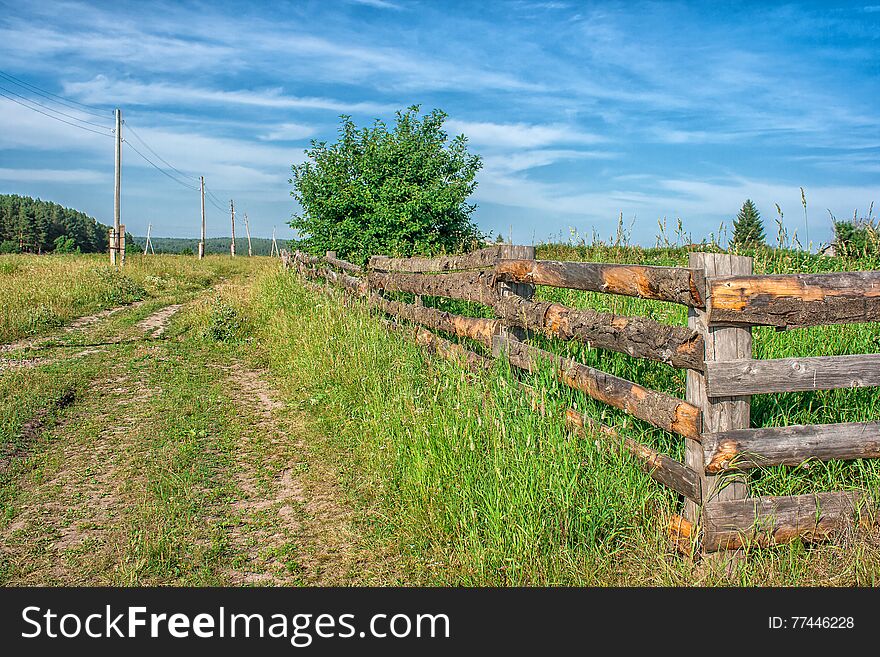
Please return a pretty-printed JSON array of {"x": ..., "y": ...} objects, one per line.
[
  {"x": 748, "y": 229},
  {"x": 399, "y": 191},
  {"x": 65, "y": 244}
]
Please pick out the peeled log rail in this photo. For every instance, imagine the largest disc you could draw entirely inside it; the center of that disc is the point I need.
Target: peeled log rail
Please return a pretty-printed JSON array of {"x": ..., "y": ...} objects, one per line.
[
  {"x": 660, "y": 467},
  {"x": 344, "y": 265},
  {"x": 475, "y": 328},
  {"x": 750, "y": 377},
  {"x": 764, "y": 521},
  {"x": 794, "y": 300},
  {"x": 637, "y": 336},
  {"x": 675, "y": 284},
  {"x": 659, "y": 409},
  {"x": 468, "y": 286},
  {"x": 444, "y": 348},
  {"x": 476, "y": 260},
  {"x": 305, "y": 258},
  {"x": 744, "y": 449}
]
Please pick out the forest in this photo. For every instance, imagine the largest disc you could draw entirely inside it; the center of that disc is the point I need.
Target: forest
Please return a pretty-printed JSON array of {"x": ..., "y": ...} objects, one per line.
[{"x": 29, "y": 225}]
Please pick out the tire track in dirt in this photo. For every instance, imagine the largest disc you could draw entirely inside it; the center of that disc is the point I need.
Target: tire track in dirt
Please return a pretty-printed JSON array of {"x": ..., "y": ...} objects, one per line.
[{"x": 296, "y": 510}]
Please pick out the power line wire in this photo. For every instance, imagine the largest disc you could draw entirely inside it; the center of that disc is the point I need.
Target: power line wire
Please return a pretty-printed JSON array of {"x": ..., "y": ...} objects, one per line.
[
  {"x": 45, "y": 94},
  {"x": 147, "y": 146},
  {"x": 52, "y": 109},
  {"x": 160, "y": 169},
  {"x": 75, "y": 125}
]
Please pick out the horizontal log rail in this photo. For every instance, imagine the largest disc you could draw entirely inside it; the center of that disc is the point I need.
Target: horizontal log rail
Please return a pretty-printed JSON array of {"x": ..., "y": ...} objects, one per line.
[
  {"x": 444, "y": 348},
  {"x": 639, "y": 337},
  {"x": 475, "y": 328},
  {"x": 767, "y": 521},
  {"x": 752, "y": 377},
  {"x": 674, "y": 284},
  {"x": 744, "y": 449},
  {"x": 467, "y": 286},
  {"x": 794, "y": 300},
  {"x": 657, "y": 408},
  {"x": 344, "y": 265},
  {"x": 476, "y": 260},
  {"x": 660, "y": 467}
]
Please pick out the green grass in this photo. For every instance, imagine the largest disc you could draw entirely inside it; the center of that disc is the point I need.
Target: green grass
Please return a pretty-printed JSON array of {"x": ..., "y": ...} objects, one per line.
[
  {"x": 43, "y": 293},
  {"x": 477, "y": 488}
]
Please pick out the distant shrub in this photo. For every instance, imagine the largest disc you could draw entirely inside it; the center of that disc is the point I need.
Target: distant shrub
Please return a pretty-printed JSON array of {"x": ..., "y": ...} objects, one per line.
[
  {"x": 857, "y": 237},
  {"x": 225, "y": 323}
]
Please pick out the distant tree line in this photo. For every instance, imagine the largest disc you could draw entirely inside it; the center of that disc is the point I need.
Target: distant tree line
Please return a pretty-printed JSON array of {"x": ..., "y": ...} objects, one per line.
[
  {"x": 32, "y": 225},
  {"x": 188, "y": 246}
]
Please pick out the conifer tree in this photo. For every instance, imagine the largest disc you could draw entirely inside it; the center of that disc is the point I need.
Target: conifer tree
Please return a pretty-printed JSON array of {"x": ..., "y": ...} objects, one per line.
[{"x": 748, "y": 229}]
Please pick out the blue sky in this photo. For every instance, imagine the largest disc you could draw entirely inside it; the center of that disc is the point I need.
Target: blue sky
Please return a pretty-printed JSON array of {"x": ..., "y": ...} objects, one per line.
[{"x": 581, "y": 110}]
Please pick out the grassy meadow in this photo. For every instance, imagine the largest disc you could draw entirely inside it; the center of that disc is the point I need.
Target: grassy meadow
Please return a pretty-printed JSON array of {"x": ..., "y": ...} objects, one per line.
[{"x": 449, "y": 477}]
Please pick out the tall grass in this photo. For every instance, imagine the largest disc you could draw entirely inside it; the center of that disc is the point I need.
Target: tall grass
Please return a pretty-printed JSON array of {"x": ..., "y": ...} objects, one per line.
[
  {"x": 478, "y": 488},
  {"x": 41, "y": 293}
]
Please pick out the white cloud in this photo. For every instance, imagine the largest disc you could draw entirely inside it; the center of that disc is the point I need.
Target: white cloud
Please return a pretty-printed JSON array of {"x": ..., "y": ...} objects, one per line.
[
  {"x": 289, "y": 132},
  {"x": 72, "y": 176},
  {"x": 378, "y": 4},
  {"x": 520, "y": 135}
]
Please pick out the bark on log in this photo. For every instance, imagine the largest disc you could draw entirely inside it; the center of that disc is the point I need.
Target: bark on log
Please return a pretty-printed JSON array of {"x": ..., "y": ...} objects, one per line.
[
  {"x": 476, "y": 260},
  {"x": 793, "y": 300},
  {"x": 749, "y": 377},
  {"x": 444, "y": 348},
  {"x": 657, "y": 408},
  {"x": 468, "y": 286},
  {"x": 674, "y": 284},
  {"x": 344, "y": 265},
  {"x": 660, "y": 467},
  {"x": 637, "y": 336},
  {"x": 752, "y": 448},
  {"x": 475, "y": 328},
  {"x": 305, "y": 258},
  {"x": 764, "y": 521}
]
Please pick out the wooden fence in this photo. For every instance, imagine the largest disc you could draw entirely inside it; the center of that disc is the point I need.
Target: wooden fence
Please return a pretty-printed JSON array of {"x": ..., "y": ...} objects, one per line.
[{"x": 724, "y": 299}]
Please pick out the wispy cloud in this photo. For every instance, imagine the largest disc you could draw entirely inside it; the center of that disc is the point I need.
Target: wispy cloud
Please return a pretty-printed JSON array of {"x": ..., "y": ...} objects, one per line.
[
  {"x": 521, "y": 135},
  {"x": 65, "y": 176},
  {"x": 378, "y": 4}
]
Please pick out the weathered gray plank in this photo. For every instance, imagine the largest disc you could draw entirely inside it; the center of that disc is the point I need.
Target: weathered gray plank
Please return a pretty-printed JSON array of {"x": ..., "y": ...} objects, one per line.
[
  {"x": 660, "y": 467},
  {"x": 731, "y": 524},
  {"x": 475, "y": 260},
  {"x": 750, "y": 377},
  {"x": 640, "y": 337},
  {"x": 657, "y": 408},
  {"x": 469, "y": 286},
  {"x": 718, "y": 413},
  {"x": 675, "y": 284},
  {"x": 751, "y": 448},
  {"x": 791, "y": 300},
  {"x": 475, "y": 328}
]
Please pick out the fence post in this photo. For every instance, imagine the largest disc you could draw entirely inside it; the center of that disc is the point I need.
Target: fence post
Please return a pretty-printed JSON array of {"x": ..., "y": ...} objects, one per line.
[
  {"x": 524, "y": 290},
  {"x": 718, "y": 413}
]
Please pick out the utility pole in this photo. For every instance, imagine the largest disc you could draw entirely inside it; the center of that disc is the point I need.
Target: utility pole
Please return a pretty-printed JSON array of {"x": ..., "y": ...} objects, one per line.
[
  {"x": 115, "y": 242},
  {"x": 149, "y": 244},
  {"x": 274, "y": 244},
  {"x": 248, "y": 231},
  {"x": 232, "y": 245},
  {"x": 202, "y": 243}
]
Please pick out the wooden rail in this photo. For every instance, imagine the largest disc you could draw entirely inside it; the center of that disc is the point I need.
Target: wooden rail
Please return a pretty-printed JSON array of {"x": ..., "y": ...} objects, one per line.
[
  {"x": 724, "y": 300},
  {"x": 751, "y": 377},
  {"x": 674, "y": 284},
  {"x": 657, "y": 408},
  {"x": 793, "y": 300}
]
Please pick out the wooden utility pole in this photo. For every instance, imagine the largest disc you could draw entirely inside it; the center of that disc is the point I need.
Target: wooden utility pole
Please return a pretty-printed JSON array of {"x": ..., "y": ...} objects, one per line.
[
  {"x": 115, "y": 250},
  {"x": 719, "y": 413},
  {"x": 232, "y": 245},
  {"x": 149, "y": 244},
  {"x": 248, "y": 231},
  {"x": 202, "y": 243},
  {"x": 274, "y": 251}
]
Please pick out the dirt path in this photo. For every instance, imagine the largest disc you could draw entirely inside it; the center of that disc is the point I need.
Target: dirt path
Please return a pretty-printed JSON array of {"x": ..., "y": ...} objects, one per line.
[{"x": 309, "y": 525}]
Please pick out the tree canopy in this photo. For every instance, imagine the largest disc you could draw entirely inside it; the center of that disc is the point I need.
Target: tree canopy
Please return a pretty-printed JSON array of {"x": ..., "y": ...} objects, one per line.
[
  {"x": 398, "y": 191},
  {"x": 35, "y": 226}
]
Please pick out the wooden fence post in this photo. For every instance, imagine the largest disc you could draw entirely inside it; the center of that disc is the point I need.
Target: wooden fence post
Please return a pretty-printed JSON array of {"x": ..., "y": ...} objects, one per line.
[
  {"x": 718, "y": 413},
  {"x": 524, "y": 290}
]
